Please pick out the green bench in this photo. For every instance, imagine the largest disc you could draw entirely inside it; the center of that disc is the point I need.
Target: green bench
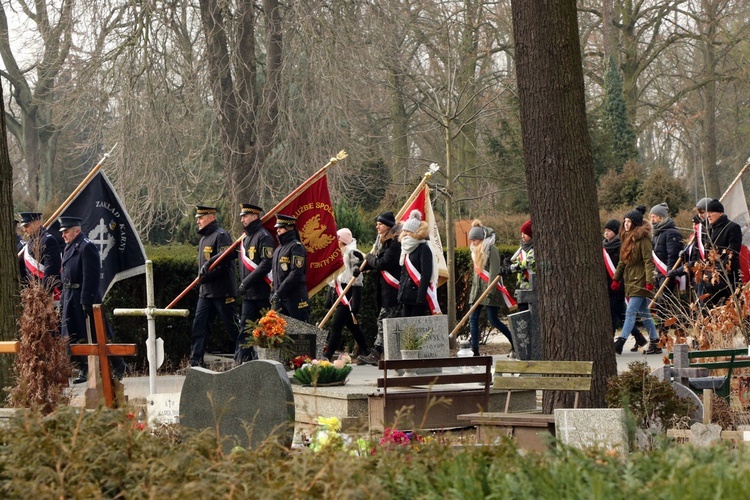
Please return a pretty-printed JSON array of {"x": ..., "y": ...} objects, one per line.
[{"x": 684, "y": 368}]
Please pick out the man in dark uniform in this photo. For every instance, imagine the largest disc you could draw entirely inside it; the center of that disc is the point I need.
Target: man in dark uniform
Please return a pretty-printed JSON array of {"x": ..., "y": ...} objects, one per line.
[
  {"x": 290, "y": 271},
  {"x": 385, "y": 261},
  {"x": 725, "y": 236},
  {"x": 256, "y": 254},
  {"x": 81, "y": 269},
  {"x": 218, "y": 289},
  {"x": 41, "y": 256}
]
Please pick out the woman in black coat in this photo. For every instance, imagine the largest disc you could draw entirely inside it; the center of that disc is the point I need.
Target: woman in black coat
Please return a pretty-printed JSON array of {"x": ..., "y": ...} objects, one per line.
[{"x": 416, "y": 291}]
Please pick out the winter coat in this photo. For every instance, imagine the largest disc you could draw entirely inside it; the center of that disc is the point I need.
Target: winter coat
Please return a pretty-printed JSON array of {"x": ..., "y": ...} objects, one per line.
[
  {"x": 45, "y": 250},
  {"x": 639, "y": 270},
  {"x": 421, "y": 257},
  {"x": 290, "y": 270},
  {"x": 478, "y": 285},
  {"x": 257, "y": 246},
  {"x": 725, "y": 237},
  {"x": 221, "y": 281},
  {"x": 612, "y": 247},
  {"x": 386, "y": 259},
  {"x": 353, "y": 258},
  {"x": 80, "y": 278},
  {"x": 667, "y": 243}
]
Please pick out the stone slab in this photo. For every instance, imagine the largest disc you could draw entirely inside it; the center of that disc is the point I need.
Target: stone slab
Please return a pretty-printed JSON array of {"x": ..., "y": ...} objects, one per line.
[
  {"x": 297, "y": 327},
  {"x": 252, "y": 402},
  {"x": 163, "y": 408},
  {"x": 527, "y": 345},
  {"x": 582, "y": 428},
  {"x": 436, "y": 345}
]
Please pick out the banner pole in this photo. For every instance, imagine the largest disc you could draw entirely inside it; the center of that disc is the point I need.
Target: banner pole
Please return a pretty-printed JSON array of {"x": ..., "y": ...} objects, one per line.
[
  {"x": 474, "y": 306},
  {"x": 432, "y": 169},
  {"x": 271, "y": 213}
]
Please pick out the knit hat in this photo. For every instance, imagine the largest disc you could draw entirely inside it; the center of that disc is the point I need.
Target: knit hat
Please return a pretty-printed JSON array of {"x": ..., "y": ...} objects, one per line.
[
  {"x": 476, "y": 233},
  {"x": 526, "y": 228},
  {"x": 641, "y": 209},
  {"x": 345, "y": 235},
  {"x": 613, "y": 225},
  {"x": 702, "y": 204},
  {"x": 635, "y": 216},
  {"x": 662, "y": 210},
  {"x": 387, "y": 218},
  {"x": 715, "y": 206},
  {"x": 412, "y": 223}
]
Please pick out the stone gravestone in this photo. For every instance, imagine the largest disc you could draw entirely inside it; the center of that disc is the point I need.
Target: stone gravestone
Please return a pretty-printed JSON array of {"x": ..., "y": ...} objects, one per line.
[
  {"x": 602, "y": 428},
  {"x": 308, "y": 339},
  {"x": 435, "y": 346},
  {"x": 524, "y": 326},
  {"x": 256, "y": 395},
  {"x": 164, "y": 408}
]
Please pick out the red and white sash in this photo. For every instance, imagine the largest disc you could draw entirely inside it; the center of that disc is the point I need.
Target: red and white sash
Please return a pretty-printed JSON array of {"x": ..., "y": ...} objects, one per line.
[
  {"x": 252, "y": 266},
  {"x": 416, "y": 277},
  {"x": 608, "y": 264},
  {"x": 507, "y": 297},
  {"x": 37, "y": 269},
  {"x": 390, "y": 279},
  {"x": 699, "y": 240},
  {"x": 339, "y": 292},
  {"x": 663, "y": 269}
]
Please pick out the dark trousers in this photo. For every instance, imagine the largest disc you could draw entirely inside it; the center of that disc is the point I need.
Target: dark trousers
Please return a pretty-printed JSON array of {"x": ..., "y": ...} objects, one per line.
[
  {"x": 411, "y": 310},
  {"x": 385, "y": 313},
  {"x": 343, "y": 318},
  {"x": 494, "y": 320},
  {"x": 205, "y": 312},
  {"x": 617, "y": 310},
  {"x": 251, "y": 310},
  {"x": 290, "y": 307}
]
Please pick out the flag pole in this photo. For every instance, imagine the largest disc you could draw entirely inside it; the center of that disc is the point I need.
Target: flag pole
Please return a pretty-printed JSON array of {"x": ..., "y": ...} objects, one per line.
[
  {"x": 271, "y": 213},
  {"x": 692, "y": 237},
  {"x": 77, "y": 190},
  {"x": 474, "y": 306},
  {"x": 431, "y": 170}
]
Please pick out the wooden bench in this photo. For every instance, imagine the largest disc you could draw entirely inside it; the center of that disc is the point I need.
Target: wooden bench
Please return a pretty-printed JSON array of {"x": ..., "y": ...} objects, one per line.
[
  {"x": 530, "y": 430},
  {"x": 689, "y": 373},
  {"x": 414, "y": 402}
]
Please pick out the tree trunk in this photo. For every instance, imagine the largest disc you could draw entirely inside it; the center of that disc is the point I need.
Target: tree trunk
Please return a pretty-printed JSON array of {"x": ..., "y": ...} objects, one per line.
[
  {"x": 572, "y": 295},
  {"x": 708, "y": 136},
  {"x": 9, "y": 285}
]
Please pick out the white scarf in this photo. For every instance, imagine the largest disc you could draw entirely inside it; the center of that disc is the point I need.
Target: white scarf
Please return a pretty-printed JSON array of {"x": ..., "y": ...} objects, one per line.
[{"x": 409, "y": 244}]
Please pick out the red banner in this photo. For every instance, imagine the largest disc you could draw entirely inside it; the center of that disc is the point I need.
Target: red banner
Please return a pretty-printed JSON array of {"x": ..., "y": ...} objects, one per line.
[{"x": 317, "y": 231}]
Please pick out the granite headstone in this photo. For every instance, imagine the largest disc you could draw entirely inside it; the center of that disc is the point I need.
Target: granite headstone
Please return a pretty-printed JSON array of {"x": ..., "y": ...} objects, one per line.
[
  {"x": 303, "y": 333},
  {"x": 525, "y": 327},
  {"x": 436, "y": 344},
  {"x": 602, "y": 428},
  {"x": 252, "y": 403}
]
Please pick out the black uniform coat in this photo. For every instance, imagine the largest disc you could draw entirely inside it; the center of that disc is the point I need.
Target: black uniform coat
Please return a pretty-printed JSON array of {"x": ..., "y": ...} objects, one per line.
[
  {"x": 386, "y": 259},
  {"x": 290, "y": 270},
  {"x": 408, "y": 291},
  {"x": 221, "y": 280},
  {"x": 258, "y": 247},
  {"x": 81, "y": 269},
  {"x": 47, "y": 254},
  {"x": 725, "y": 237}
]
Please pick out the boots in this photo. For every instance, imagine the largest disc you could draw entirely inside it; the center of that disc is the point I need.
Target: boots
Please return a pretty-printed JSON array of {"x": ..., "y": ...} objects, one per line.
[
  {"x": 619, "y": 342},
  {"x": 653, "y": 347},
  {"x": 640, "y": 341}
]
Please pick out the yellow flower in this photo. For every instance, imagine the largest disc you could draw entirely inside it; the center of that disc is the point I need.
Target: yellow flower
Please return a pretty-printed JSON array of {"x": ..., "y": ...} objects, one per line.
[{"x": 330, "y": 423}]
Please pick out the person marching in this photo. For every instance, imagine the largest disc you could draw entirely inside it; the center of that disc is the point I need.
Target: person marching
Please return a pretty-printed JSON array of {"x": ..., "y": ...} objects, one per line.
[
  {"x": 419, "y": 269},
  {"x": 256, "y": 254},
  {"x": 636, "y": 268},
  {"x": 289, "y": 267},
  {"x": 696, "y": 250},
  {"x": 611, "y": 250},
  {"x": 522, "y": 262},
  {"x": 42, "y": 257},
  {"x": 218, "y": 286},
  {"x": 487, "y": 264},
  {"x": 348, "y": 307},
  {"x": 80, "y": 281},
  {"x": 725, "y": 237},
  {"x": 385, "y": 261}
]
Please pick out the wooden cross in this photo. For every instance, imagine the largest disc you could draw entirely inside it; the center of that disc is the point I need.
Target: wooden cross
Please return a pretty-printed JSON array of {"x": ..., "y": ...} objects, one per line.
[
  {"x": 103, "y": 350},
  {"x": 151, "y": 312}
]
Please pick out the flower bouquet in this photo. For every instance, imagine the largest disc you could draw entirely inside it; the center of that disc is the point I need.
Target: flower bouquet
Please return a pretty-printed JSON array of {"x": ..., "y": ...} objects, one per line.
[
  {"x": 316, "y": 372},
  {"x": 268, "y": 332}
]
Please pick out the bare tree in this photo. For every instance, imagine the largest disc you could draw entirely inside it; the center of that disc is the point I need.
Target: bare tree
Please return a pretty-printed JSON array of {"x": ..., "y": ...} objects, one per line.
[{"x": 560, "y": 173}]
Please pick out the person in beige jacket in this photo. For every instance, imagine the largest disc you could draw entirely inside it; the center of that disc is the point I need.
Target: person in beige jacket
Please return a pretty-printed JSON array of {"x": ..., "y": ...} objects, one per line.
[{"x": 636, "y": 269}]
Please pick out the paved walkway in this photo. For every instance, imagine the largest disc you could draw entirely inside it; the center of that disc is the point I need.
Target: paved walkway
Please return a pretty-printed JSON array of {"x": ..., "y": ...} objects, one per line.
[{"x": 137, "y": 388}]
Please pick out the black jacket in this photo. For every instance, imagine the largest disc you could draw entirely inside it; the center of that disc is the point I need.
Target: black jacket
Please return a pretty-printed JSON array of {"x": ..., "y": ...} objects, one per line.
[
  {"x": 45, "y": 250},
  {"x": 667, "y": 243},
  {"x": 408, "y": 291},
  {"x": 725, "y": 237},
  {"x": 613, "y": 250},
  {"x": 220, "y": 281},
  {"x": 80, "y": 278},
  {"x": 290, "y": 268},
  {"x": 258, "y": 248},
  {"x": 386, "y": 259}
]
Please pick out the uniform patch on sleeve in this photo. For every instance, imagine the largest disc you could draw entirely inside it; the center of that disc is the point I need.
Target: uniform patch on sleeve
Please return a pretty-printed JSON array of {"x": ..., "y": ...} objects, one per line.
[
  {"x": 299, "y": 261},
  {"x": 267, "y": 252}
]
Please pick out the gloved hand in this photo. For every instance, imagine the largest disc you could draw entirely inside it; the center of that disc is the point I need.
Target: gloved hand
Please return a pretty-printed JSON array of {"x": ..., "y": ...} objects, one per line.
[
  {"x": 88, "y": 308},
  {"x": 615, "y": 286},
  {"x": 204, "y": 269},
  {"x": 241, "y": 289},
  {"x": 356, "y": 272},
  {"x": 650, "y": 287},
  {"x": 504, "y": 270},
  {"x": 675, "y": 273},
  {"x": 507, "y": 262},
  {"x": 274, "y": 299}
]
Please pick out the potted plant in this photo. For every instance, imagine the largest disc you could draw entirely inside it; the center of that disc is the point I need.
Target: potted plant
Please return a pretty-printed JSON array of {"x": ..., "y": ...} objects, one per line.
[
  {"x": 269, "y": 336},
  {"x": 411, "y": 342},
  {"x": 318, "y": 373}
]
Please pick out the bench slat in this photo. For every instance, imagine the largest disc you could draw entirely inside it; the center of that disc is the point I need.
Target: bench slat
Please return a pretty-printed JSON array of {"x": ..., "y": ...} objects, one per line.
[
  {"x": 434, "y": 379},
  {"x": 409, "y": 364},
  {"x": 545, "y": 367},
  {"x": 713, "y": 353},
  {"x": 542, "y": 383}
]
